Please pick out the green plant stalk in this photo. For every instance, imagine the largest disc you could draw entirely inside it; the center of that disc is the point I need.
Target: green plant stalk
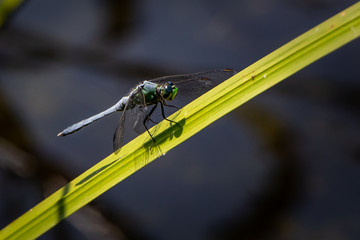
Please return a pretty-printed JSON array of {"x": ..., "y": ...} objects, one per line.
[
  {"x": 227, "y": 96},
  {"x": 7, "y": 7}
]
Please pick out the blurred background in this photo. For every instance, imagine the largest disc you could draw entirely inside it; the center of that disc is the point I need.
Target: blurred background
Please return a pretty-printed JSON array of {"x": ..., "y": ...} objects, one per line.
[{"x": 285, "y": 165}]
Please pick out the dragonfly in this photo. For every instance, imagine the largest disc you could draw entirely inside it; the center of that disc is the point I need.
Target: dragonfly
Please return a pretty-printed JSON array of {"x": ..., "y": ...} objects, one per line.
[{"x": 155, "y": 92}]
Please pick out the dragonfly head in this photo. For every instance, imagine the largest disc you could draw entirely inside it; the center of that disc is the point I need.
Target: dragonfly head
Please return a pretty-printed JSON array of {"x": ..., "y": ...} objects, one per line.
[{"x": 169, "y": 91}]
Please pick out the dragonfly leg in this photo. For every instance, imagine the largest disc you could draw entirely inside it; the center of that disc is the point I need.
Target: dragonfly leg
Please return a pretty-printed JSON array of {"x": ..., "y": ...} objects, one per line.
[
  {"x": 163, "y": 113},
  {"x": 148, "y": 118},
  {"x": 170, "y": 105}
]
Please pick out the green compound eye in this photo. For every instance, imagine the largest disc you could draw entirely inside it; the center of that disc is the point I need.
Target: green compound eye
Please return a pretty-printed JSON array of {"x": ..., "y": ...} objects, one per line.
[{"x": 169, "y": 92}]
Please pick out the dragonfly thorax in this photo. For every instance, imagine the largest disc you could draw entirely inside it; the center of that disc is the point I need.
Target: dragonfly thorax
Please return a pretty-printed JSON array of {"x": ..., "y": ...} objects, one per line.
[{"x": 149, "y": 93}]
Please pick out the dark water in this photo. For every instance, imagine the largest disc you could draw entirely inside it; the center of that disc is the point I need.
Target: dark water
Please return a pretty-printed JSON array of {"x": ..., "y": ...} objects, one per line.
[{"x": 285, "y": 165}]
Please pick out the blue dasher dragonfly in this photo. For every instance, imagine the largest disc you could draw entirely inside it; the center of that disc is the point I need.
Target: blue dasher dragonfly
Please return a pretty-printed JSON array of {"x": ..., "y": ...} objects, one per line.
[{"x": 158, "y": 91}]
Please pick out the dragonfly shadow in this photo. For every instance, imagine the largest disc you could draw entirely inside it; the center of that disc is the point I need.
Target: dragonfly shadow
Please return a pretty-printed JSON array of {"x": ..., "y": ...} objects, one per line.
[
  {"x": 153, "y": 147},
  {"x": 173, "y": 131},
  {"x": 177, "y": 129},
  {"x": 93, "y": 174}
]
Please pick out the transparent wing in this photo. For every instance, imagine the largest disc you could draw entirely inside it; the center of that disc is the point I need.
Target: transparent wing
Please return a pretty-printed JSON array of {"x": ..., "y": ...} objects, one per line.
[
  {"x": 191, "y": 86},
  {"x": 119, "y": 133},
  {"x": 129, "y": 115},
  {"x": 137, "y": 118}
]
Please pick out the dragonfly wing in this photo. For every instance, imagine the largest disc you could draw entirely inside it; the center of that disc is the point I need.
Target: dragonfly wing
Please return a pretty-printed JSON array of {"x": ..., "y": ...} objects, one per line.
[
  {"x": 137, "y": 119},
  {"x": 132, "y": 115},
  {"x": 204, "y": 78},
  {"x": 118, "y": 138},
  {"x": 119, "y": 133},
  {"x": 191, "y": 86}
]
